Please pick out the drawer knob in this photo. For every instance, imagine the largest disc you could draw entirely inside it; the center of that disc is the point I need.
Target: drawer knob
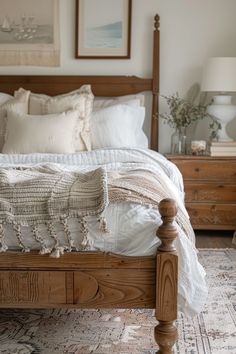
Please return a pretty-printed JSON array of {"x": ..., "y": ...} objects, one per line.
[{"x": 197, "y": 169}]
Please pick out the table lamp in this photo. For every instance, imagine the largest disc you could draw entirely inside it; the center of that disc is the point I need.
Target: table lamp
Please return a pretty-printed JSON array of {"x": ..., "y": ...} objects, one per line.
[{"x": 220, "y": 76}]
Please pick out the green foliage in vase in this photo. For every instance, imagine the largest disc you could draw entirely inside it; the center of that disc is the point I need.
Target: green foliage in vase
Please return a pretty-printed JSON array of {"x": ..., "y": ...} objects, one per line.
[{"x": 183, "y": 113}]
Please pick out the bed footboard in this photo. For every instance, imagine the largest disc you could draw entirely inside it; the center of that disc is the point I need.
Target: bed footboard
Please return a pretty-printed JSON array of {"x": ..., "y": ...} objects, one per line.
[
  {"x": 99, "y": 280},
  {"x": 166, "y": 279}
]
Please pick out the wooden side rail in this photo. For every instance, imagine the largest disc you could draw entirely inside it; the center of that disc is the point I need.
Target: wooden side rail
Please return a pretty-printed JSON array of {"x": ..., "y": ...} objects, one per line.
[{"x": 166, "y": 279}]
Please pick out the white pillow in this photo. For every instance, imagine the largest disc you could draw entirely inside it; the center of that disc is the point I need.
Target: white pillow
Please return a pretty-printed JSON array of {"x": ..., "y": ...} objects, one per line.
[
  {"x": 4, "y": 97},
  {"x": 80, "y": 100},
  {"x": 53, "y": 133},
  {"x": 131, "y": 100},
  {"x": 18, "y": 104},
  {"x": 118, "y": 126}
]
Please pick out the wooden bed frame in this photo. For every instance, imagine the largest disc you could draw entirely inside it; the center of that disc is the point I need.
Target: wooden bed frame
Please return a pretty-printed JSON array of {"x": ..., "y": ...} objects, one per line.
[{"x": 97, "y": 279}]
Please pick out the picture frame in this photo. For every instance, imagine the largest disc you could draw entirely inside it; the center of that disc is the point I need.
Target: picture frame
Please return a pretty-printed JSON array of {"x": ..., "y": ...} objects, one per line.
[
  {"x": 30, "y": 33},
  {"x": 104, "y": 32}
]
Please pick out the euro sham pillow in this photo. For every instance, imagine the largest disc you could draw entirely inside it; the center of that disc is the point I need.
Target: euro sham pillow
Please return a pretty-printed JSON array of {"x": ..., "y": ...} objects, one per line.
[
  {"x": 80, "y": 100},
  {"x": 18, "y": 104},
  {"x": 53, "y": 133},
  {"x": 131, "y": 100},
  {"x": 118, "y": 126}
]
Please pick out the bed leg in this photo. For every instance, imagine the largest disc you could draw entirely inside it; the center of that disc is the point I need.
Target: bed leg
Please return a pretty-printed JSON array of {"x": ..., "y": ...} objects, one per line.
[{"x": 167, "y": 279}]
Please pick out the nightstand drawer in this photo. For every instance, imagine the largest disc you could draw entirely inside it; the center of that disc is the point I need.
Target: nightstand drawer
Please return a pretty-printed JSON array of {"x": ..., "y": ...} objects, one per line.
[
  {"x": 210, "y": 192},
  {"x": 212, "y": 216},
  {"x": 207, "y": 170}
]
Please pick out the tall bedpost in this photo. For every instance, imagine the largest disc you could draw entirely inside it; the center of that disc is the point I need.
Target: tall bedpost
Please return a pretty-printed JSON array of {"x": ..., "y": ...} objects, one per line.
[
  {"x": 167, "y": 279},
  {"x": 155, "y": 83}
]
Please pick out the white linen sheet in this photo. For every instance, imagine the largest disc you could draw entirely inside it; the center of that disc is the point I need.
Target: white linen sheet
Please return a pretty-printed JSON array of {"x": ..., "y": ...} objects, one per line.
[{"x": 132, "y": 227}]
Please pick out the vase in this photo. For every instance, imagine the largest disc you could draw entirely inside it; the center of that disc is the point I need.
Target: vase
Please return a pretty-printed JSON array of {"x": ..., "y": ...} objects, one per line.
[
  {"x": 179, "y": 141},
  {"x": 183, "y": 139}
]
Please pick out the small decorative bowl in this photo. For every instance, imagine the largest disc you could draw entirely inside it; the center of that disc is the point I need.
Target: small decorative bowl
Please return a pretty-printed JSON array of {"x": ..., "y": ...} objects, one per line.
[{"x": 198, "y": 147}]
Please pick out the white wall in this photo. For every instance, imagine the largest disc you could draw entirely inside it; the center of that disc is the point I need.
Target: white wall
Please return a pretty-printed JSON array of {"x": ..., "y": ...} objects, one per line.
[{"x": 191, "y": 31}]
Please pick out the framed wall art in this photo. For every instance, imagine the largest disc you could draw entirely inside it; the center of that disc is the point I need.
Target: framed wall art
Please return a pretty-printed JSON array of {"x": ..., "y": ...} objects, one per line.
[
  {"x": 103, "y": 29},
  {"x": 29, "y": 32}
]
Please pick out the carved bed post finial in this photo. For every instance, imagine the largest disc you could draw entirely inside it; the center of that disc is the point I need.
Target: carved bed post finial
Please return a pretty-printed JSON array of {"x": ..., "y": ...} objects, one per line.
[
  {"x": 167, "y": 279},
  {"x": 157, "y": 22}
]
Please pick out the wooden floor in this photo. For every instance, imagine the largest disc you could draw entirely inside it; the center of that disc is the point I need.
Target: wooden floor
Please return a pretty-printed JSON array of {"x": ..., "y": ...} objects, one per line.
[{"x": 214, "y": 239}]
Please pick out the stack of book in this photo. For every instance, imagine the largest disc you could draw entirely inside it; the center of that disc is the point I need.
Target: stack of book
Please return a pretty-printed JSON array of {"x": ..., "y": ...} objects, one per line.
[{"x": 218, "y": 148}]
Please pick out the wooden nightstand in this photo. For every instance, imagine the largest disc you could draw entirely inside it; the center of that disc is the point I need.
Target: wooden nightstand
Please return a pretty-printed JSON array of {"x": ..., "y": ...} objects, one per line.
[{"x": 210, "y": 190}]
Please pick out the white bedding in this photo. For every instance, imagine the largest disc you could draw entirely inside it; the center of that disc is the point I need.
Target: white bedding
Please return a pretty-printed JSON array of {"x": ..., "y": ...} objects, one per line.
[{"x": 131, "y": 227}]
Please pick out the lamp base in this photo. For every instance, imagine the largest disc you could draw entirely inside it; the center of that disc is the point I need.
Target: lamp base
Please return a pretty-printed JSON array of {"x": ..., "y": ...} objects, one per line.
[{"x": 224, "y": 111}]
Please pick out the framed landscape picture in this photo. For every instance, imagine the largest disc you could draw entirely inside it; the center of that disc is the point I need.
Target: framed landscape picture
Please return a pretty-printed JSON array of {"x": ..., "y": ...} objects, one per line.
[
  {"x": 103, "y": 29},
  {"x": 29, "y": 32}
]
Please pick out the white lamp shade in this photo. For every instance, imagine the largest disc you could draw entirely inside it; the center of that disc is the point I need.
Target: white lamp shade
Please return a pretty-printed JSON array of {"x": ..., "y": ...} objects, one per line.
[{"x": 219, "y": 75}]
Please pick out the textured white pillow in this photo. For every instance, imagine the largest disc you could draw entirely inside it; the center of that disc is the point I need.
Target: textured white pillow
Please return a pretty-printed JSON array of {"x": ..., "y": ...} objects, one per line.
[
  {"x": 80, "y": 100},
  {"x": 118, "y": 126},
  {"x": 18, "y": 104},
  {"x": 4, "y": 97},
  {"x": 131, "y": 100},
  {"x": 53, "y": 133}
]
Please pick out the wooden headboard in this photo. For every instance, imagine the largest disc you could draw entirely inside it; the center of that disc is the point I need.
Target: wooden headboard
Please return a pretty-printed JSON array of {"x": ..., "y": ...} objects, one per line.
[{"x": 101, "y": 85}]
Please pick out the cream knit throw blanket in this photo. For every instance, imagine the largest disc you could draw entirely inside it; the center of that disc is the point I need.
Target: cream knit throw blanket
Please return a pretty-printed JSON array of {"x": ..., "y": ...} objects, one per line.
[{"x": 45, "y": 194}]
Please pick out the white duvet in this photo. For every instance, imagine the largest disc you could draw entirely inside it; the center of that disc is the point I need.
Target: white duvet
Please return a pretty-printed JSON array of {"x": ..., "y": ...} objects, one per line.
[{"x": 132, "y": 227}]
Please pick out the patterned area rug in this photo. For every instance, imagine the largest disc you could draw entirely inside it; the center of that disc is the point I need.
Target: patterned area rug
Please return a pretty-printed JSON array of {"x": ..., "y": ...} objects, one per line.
[{"x": 129, "y": 331}]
